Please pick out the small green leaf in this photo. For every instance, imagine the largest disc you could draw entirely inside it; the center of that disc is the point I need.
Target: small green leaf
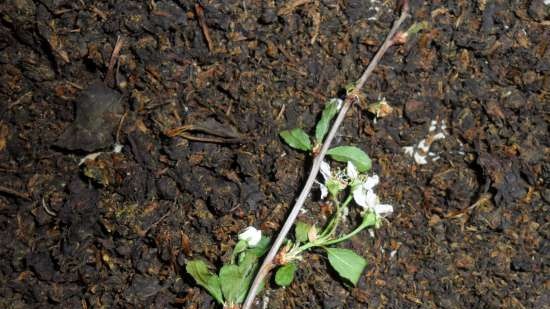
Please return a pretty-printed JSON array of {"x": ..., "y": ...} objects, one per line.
[
  {"x": 247, "y": 269},
  {"x": 261, "y": 248},
  {"x": 241, "y": 246},
  {"x": 285, "y": 274},
  {"x": 347, "y": 263},
  {"x": 214, "y": 288},
  {"x": 297, "y": 139},
  {"x": 209, "y": 281},
  {"x": 350, "y": 153},
  {"x": 301, "y": 230},
  {"x": 230, "y": 280},
  {"x": 331, "y": 109}
]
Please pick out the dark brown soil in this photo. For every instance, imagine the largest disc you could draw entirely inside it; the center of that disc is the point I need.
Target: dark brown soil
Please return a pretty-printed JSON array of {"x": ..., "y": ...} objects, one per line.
[{"x": 197, "y": 96}]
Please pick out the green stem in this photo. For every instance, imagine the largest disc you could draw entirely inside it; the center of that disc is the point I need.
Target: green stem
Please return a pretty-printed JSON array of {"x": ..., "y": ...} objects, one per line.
[
  {"x": 345, "y": 237},
  {"x": 338, "y": 216},
  {"x": 367, "y": 222},
  {"x": 328, "y": 227},
  {"x": 328, "y": 232}
]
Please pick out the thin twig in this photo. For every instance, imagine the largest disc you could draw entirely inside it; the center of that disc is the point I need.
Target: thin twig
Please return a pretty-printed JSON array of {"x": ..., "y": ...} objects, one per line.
[
  {"x": 202, "y": 22},
  {"x": 10, "y": 191},
  {"x": 110, "y": 76},
  {"x": 351, "y": 98}
]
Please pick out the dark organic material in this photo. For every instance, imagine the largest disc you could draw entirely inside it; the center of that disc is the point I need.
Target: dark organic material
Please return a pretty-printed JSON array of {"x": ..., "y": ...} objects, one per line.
[{"x": 469, "y": 230}]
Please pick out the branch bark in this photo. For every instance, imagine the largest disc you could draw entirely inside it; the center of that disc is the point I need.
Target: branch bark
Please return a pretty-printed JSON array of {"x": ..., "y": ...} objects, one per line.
[{"x": 351, "y": 98}]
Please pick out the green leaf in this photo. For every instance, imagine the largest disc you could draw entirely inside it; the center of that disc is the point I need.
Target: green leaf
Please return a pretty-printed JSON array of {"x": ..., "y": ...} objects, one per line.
[
  {"x": 214, "y": 288},
  {"x": 331, "y": 109},
  {"x": 297, "y": 139},
  {"x": 347, "y": 263},
  {"x": 239, "y": 247},
  {"x": 285, "y": 274},
  {"x": 261, "y": 248},
  {"x": 350, "y": 153},
  {"x": 247, "y": 264},
  {"x": 205, "y": 278},
  {"x": 230, "y": 280},
  {"x": 247, "y": 268},
  {"x": 300, "y": 231}
]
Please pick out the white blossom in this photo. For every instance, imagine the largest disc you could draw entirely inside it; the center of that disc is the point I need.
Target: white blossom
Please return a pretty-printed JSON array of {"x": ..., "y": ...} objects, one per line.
[
  {"x": 333, "y": 181},
  {"x": 251, "y": 235},
  {"x": 370, "y": 201}
]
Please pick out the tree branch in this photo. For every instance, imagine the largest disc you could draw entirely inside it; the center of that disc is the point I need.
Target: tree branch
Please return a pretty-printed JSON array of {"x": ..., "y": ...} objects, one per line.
[{"x": 351, "y": 98}]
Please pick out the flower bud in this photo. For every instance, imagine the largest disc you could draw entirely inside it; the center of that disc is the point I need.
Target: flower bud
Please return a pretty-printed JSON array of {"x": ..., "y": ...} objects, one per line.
[{"x": 251, "y": 235}]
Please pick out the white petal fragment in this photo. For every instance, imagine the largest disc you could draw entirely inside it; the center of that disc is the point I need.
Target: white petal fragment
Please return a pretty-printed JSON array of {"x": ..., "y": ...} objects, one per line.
[
  {"x": 360, "y": 197},
  {"x": 325, "y": 170},
  {"x": 383, "y": 209},
  {"x": 371, "y": 182},
  {"x": 352, "y": 171},
  {"x": 372, "y": 199},
  {"x": 324, "y": 191}
]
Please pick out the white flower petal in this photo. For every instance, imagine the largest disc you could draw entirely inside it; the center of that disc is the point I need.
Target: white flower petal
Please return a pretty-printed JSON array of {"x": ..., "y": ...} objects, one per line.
[
  {"x": 325, "y": 170},
  {"x": 383, "y": 209},
  {"x": 371, "y": 199},
  {"x": 371, "y": 182},
  {"x": 352, "y": 171},
  {"x": 324, "y": 191},
  {"x": 360, "y": 197},
  {"x": 251, "y": 235}
]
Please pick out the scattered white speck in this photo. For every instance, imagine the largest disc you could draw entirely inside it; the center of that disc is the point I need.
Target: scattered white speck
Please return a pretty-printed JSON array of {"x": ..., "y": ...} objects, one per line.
[
  {"x": 117, "y": 148},
  {"x": 265, "y": 302},
  {"x": 443, "y": 126},
  {"x": 371, "y": 233},
  {"x": 433, "y": 125},
  {"x": 438, "y": 136},
  {"x": 421, "y": 151},
  {"x": 91, "y": 157},
  {"x": 423, "y": 145},
  {"x": 420, "y": 159},
  {"x": 392, "y": 254}
]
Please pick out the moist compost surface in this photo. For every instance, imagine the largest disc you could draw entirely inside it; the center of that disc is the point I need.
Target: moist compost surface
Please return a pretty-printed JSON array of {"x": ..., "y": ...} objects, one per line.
[{"x": 196, "y": 94}]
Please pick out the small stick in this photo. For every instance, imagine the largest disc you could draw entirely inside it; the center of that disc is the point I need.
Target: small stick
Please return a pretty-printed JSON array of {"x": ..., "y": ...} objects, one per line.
[
  {"x": 9, "y": 191},
  {"x": 200, "y": 17},
  {"x": 110, "y": 76},
  {"x": 351, "y": 98}
]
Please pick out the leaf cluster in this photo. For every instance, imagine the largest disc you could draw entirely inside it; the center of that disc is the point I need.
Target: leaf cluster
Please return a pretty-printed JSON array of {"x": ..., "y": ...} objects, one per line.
[
  {"x": 298, "y": 139},
  {"x": 230, "y": 285}
]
